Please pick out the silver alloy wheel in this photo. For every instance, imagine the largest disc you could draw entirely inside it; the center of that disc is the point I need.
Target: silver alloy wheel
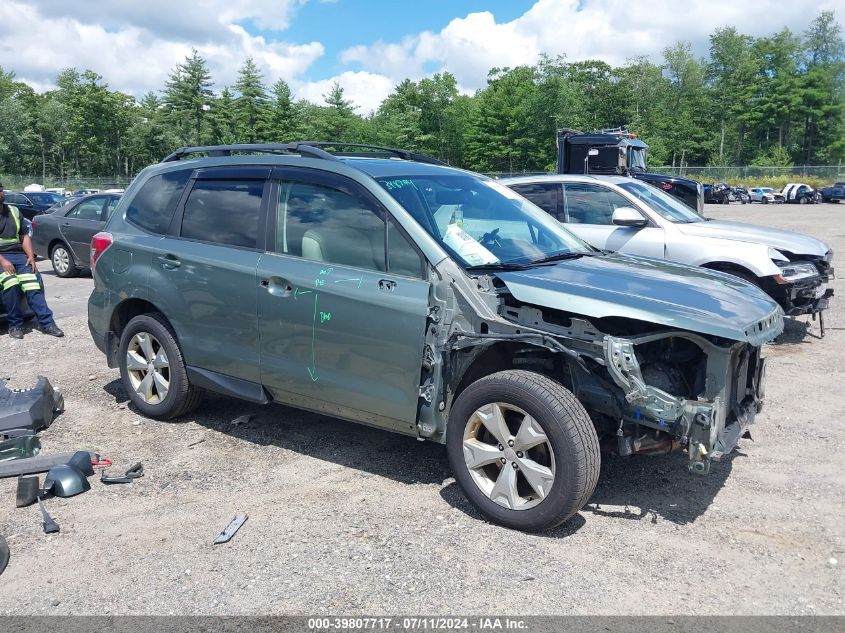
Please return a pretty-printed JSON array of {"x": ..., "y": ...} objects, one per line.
[
  {"x": 516, "y": 471},
  {"x": 148, "y": 368},
  {"x": 61, "y": 260}
]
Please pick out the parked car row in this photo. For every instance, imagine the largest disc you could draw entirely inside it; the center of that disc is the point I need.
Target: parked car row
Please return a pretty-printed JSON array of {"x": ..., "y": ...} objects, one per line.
[{"x": 799, "y": 193}]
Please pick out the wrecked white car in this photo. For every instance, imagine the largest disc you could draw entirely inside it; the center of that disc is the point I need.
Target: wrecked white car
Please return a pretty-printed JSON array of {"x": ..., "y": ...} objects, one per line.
[{"x": 622, "y": 214}]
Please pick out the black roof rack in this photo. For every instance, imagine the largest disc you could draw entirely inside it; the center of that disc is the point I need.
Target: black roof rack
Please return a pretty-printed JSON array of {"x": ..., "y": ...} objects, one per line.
[
  {"x": 376, "y": 150},
  {"x": 303, "y": 149},
  {"x": 311, "y": 149}
]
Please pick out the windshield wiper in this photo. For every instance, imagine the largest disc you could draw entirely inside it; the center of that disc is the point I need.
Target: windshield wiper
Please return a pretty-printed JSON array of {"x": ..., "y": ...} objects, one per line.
[
  {"x": 558, "y": 257},
  {"x": 499, "y": 266}
]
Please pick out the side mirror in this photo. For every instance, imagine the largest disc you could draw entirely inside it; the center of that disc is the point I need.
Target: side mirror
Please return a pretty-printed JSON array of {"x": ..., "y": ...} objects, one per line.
[{"x": 628, "y": 216}]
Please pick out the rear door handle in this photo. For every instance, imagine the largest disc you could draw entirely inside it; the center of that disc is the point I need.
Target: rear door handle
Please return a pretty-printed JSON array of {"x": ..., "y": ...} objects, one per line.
[
  {"x": 386, "y": 285},
  {"x": 169, "y": 262}
]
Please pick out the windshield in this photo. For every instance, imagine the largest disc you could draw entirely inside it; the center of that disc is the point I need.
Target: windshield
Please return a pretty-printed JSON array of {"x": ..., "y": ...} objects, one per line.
[
  {"x": 638, "y": 159},
  {"x": 480, "y": 222},
  {"x": 668, "y": 207}
]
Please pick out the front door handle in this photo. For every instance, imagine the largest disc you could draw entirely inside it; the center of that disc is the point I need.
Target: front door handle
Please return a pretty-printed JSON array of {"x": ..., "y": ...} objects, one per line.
[
  {"x": 169, "y": 262},
  {"x": 386, "y": 285},
  {"x": 277, "y": 287}
]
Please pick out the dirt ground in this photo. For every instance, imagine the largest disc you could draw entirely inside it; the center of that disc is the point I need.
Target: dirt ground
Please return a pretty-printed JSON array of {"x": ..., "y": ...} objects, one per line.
[{"x": 348, "y": 519}]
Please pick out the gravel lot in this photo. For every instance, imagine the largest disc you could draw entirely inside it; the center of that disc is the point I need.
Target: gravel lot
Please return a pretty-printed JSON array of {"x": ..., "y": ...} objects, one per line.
[{"x": 348, "y": 519}]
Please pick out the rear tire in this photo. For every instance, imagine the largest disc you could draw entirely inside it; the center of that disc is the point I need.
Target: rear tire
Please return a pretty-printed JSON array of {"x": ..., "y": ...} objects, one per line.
[
  {"x": 546, "y": 438},
  {"x": 62, "y": 260},
  {"x": 153, "y": 370}
]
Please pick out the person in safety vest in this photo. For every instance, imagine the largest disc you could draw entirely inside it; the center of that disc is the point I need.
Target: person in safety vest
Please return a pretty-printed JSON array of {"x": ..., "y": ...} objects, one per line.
[{"x": 18, "y": 274}]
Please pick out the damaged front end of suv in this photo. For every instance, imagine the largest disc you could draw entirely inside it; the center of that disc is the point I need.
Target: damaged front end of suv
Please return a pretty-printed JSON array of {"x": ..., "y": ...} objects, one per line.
[{"x": 676, "y": 364}]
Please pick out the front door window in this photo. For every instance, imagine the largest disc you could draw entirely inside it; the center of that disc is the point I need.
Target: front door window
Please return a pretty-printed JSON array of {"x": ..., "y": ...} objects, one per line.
[{"x": 590, "y": 204}]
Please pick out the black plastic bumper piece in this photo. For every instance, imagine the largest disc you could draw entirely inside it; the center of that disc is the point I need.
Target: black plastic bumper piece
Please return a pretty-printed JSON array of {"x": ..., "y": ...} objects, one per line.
[
  {"x": 4, "y": 554},
  {"x": 27, "y": 411}
]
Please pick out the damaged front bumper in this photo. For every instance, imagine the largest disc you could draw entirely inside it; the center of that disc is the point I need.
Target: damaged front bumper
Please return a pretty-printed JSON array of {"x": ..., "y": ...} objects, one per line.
[
  {"x": 808, "y": 297},
  {"x": 710, "y": 426}
]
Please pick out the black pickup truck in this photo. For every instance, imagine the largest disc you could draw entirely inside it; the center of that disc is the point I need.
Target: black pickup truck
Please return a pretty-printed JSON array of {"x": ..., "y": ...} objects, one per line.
[{"x": 833, "y": 193}]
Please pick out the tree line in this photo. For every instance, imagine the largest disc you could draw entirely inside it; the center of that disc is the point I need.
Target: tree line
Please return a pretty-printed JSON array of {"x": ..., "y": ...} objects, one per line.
[{"x": 773, "y": 100}]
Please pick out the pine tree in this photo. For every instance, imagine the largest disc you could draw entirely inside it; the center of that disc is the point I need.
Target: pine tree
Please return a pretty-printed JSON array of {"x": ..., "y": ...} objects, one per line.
[
  {"x": 188, "y": 95},
  {"x": 338, "y": 121},
  {"x": 284, "y": 125},
  {"x": 251, "y": 104}
]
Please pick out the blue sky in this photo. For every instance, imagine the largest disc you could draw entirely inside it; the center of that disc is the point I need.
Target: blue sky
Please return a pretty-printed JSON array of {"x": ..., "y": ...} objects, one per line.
[
  {"x": 329, "y": 22},
  {"x": 367, "y": 46}
]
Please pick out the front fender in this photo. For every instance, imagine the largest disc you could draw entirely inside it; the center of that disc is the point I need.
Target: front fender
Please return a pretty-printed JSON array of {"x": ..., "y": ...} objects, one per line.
[{"x": 748, "y": 255}]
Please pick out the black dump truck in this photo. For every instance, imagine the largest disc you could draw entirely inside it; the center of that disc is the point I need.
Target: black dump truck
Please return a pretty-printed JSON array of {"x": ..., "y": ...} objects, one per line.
[{"x": 620, "y": 153}]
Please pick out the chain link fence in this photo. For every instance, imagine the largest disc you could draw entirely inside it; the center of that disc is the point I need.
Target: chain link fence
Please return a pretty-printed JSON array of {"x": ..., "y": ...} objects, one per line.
[
  {"x": 750, "y": 172},
  {"x": 736, "y": 174},
  {"x": 15, "y": 182}
]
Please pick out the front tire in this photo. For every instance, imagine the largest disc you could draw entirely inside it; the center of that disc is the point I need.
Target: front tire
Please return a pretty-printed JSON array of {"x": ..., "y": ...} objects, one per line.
[
  {"x": 523, "y": 450},
  {"x": 62, "y": 260},
  {"x": 153, "y": 370}
]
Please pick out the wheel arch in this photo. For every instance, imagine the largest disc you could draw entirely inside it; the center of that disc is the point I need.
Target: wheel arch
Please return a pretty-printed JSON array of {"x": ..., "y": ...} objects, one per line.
[
  {"x": 732, "y": 268},
  {"x": 122, "y": 314},
  {"x": 501, "y": 356},
  {"x": 55, "y": 242},
  {"x": 127, "y": 310}
]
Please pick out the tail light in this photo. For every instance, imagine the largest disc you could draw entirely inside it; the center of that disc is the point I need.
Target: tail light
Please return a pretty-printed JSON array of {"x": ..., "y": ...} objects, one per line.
[{"x": 99, "y": 243}]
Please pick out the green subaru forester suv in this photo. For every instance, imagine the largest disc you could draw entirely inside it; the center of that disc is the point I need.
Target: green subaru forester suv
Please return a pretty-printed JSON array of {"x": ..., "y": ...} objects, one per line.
[{"x": 386, "y": 288}]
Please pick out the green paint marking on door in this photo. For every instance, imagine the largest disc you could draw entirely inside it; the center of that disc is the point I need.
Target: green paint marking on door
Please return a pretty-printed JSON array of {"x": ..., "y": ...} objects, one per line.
[
  {"x": 343, "y": 281},
  {"x": 312, "y": 370},
  {"x": 325, "y": 316},
  {"x": 299, "y": 291}
]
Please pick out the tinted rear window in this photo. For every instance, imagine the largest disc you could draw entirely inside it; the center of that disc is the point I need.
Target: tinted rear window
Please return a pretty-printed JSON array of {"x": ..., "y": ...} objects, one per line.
[
  {"x": 224, "y": 212},
  {"x": 152, "y": 207},
  {"x": 45, "y": 198}
]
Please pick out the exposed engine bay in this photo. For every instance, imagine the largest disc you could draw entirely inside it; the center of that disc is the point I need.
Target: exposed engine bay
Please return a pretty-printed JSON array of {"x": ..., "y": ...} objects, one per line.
[{"x": 648, "y": 388}]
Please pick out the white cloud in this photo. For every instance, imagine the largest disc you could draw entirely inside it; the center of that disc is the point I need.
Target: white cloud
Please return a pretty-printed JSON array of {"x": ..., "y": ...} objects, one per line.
[
  {"x": 365, "y": 90},
  {"x": 134, "y": 45},
  {"x": 610, "y": 30}
]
